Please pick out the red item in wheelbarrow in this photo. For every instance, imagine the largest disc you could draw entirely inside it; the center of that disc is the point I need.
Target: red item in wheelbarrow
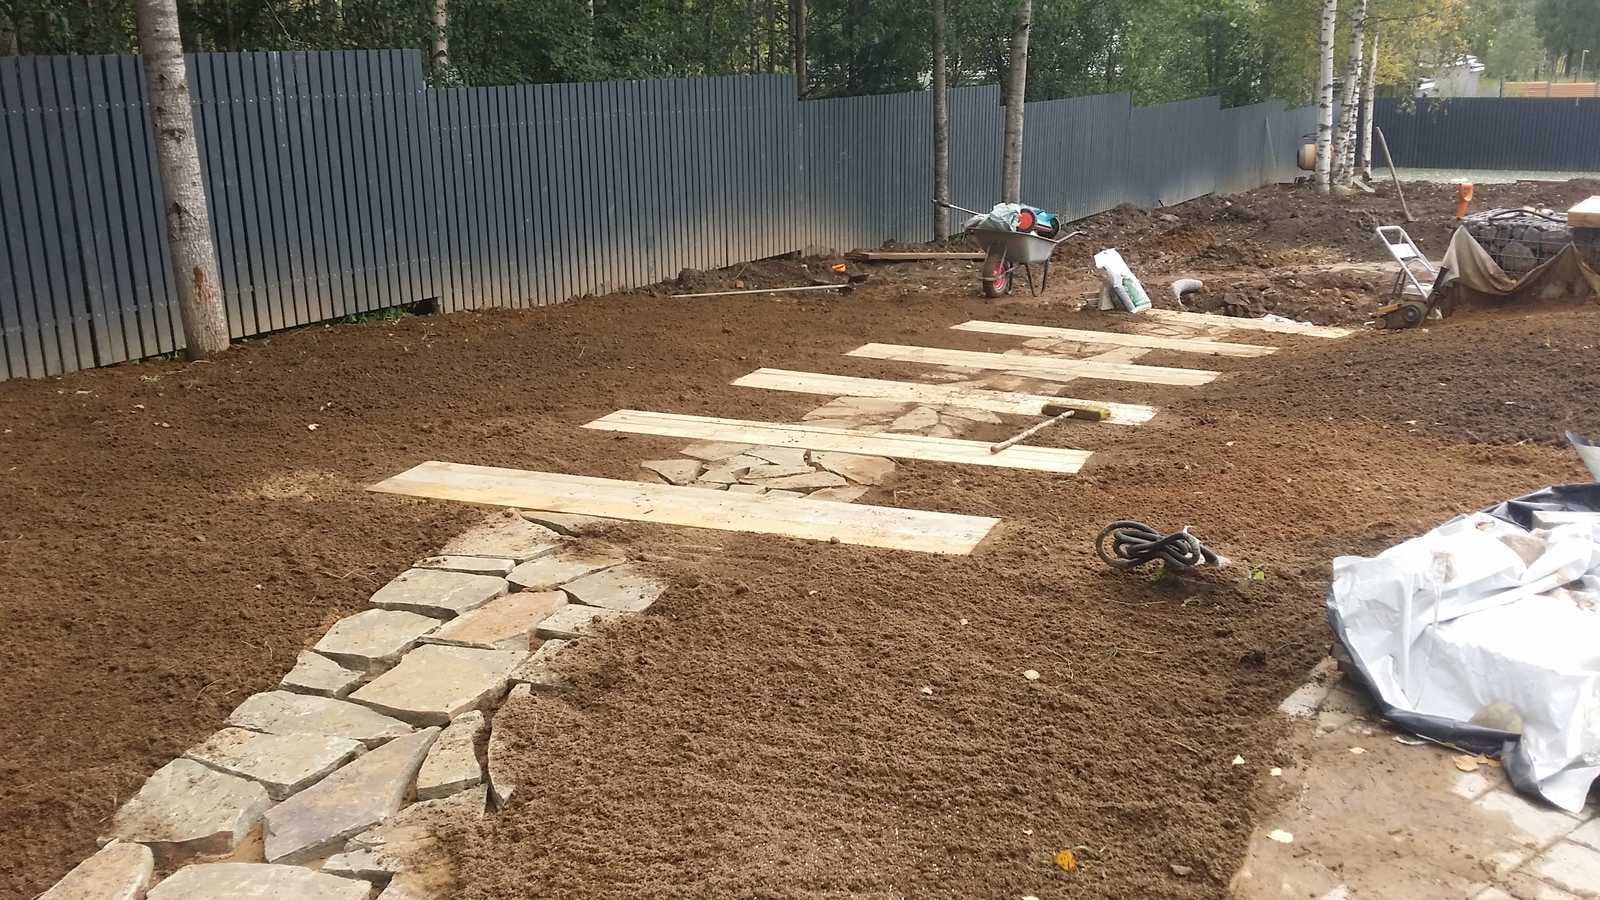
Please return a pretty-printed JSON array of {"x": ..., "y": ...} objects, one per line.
[{"x": 1025, "y": 219}]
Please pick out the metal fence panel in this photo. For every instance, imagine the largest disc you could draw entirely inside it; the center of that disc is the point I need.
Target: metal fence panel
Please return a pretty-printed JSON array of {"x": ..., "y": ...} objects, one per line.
[{"x": 1535, "y": 133}]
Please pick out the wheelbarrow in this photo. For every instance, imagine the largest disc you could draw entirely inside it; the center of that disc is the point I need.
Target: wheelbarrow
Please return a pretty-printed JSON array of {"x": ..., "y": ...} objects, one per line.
[{"x": 1006, "y": 251}]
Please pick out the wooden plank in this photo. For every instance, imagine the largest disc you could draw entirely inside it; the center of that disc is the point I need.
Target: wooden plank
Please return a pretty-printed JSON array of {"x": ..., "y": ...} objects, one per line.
[
  {"x": 1201, "y": 319},
  {"x": 1585, "y": 214},
  {"x": 901, "y": 255},
  {"x": 1038, "y": 365},
  {"x": 1147, "y": 341},
  {"x": 821, "y": 520},
  {"x": 841, "y": 440},
  {"x": 1009, "y": 402}
]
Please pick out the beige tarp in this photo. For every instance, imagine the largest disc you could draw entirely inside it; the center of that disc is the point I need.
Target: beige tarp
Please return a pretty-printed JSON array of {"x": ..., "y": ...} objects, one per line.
[{"x": 1474, "y": 276}]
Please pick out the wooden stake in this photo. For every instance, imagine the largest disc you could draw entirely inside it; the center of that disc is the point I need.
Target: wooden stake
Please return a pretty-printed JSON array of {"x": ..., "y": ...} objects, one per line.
[
  {"x": 1393, "y": 174},
  {"x": 787, "y": 290}
]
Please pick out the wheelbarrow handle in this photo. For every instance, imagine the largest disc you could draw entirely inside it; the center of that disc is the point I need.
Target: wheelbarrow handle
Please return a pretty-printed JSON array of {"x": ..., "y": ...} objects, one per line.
[{"x": 948, "y": 205}]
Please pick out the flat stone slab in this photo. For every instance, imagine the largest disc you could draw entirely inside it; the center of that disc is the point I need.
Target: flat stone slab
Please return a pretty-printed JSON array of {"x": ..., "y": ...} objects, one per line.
[
  {"x": 508, "y": 536},
  {"x": 505, "y": 623},
  {"x": 779, "y": 456},
  {"x": 566, "y": 523},
  {"x": 746, "y": 489},
  {"x": 120, "y": 871},
  {"x": 374, "y": 639},
  {"x": 621, "y": 588},
  {"x": 280, "y": 712},
  {"x": 712, "y": 451},
  {"x": 187, "y": 809},
  {"x": 434, "y": 683},
  {"x": 318, "y": 820},
  {"x": 434, "y": 592},
  {"x": 536, "y": 671},
  {"x": 761, "y": 474},
  {"x": 919, "y": 418},
  {"x": 857, "y": 468},
  {"x": 452, "y": 764},
  {"x": 574, "y": 621},
  {"x": 722, "y": 475},
  {"x": 839, "y": 494},
  {"x": 472, "y": 565},
  {"x": 320, "y": 676},
  {"x": 284, "y": 764},
  {"x": 804, "y": 482},
  {"x": 675, "y": 471},
  {"x": 256, "y": 881},
  {"x": 554, "y": 571}
]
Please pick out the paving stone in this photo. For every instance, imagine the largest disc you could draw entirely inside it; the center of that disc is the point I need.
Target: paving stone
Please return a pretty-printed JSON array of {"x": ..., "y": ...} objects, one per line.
[
  {"x": 1524, "y": 886},
  {"x": 187, "y": 809},
  {"x": 970, "y": 414},
  {"x": 472, "y": 565},
  {"x": 320, "y": 676},
  {"x": 746, "y": 489},
  {"x": 452, "y": 764},
  {"x": 256, "y": 881},
  {"x": 709, "y": 486},
  {"x": 857, "y": 468},
  {"x": 873, "y": 405},
  {"x": 120, "y": 871},
  {"x": 722, "y": 475},
  {"x": 506, "y": 623},
  {"x": 742, "y": 461},
  {"x": 508, "y": 536},
  {"x": 675, "y": 471},
  {"x": 416, "y": 822},
  {"x": 851, "y": 423},
  {"x": 712, "y": 451},
  {"x": 622, "y": 588},
  {"x": 567, "y": 524},
  {"x": 760, "y": 474},
  {"x": 833, "y": 409},
  {"x": 432, "y": 592},
  {"x": 318, "y": 820},
  {"x": 284, "y": 764},
  {"x": 941, "y": 431},
  {"x": 503, "y": 746},
  {"x": 280, "y": 712},
  {"x": 434, "y": 683},
  {"x": 805, "y": 482},
  {"x": 916, "y": 420},
  {"x": 536, "y": 671},
  {"x": 1588, "y": 834},
  {"x": 366, "y": 865},
  {"x": 779, "y": 456},
  {"x": 839, "y": 494},
  {"x": 1571, "y": 867},
  {"x": 374, "y": 639},
  {"x": 574, "y": 621},
  {"x": 554, "y": 571},
  {"x": 1470, "y": 785},
  {"x": 775, "y": 492},
  {"x": 1539, "y": 824}
]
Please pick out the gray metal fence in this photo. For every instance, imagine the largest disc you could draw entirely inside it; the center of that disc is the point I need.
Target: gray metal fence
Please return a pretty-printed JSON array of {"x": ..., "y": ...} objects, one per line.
[
  {"x": 1528, "y": 133},
  {"x": 341, "y": 183}
]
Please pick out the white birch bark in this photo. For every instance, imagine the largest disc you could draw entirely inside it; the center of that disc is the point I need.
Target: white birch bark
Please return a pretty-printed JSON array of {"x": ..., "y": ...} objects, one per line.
[
  {"x": 1016, "y": 93},
  {"x": 941, "y": 128},
  {"x": 1344, "y": 155},
  {"x": 1330, "y": 17},
  {"x": 1367, "y": 96},
  {"x": 194, "y": 256}
]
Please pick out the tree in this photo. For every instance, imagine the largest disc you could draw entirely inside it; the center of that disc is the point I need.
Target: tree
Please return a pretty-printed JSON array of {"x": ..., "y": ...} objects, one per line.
[
  {"x": 941, "y": 128},
  {"x": 1330, "y": 17},
  {"x": 1569, "y": 27},
  {"x": 1366, "y": 109},
  {"x": 194, "y": 257},
  {"x": 1344, "y": 154},
  {"x": 1016, "y": 94}
]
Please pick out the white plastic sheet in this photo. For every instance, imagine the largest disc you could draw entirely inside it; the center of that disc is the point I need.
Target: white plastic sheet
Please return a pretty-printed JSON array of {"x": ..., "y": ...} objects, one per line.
[{"x": 1478, "y": 611}]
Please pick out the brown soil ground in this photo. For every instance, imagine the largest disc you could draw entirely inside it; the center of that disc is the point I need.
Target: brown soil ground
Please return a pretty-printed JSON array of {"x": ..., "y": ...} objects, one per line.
[{"x": 175, "y": 533}]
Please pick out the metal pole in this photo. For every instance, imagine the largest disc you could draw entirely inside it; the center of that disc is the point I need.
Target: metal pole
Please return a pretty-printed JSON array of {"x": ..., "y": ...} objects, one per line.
[{"x": 1581, "y": 60}]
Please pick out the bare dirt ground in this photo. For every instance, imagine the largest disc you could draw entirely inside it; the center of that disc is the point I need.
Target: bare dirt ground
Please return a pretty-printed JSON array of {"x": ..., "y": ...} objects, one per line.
[{"x": 175, "y": 533}]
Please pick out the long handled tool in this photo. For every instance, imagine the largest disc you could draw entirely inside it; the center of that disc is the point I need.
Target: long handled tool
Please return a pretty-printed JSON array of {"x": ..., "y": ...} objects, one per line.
[{"x": 1057, "y": 412}]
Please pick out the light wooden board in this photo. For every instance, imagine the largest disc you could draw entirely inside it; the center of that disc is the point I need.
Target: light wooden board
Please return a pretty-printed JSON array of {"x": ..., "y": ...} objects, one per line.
[
  {"x": 821, "y": 520},
  {"x": 1189, "y": 318},
  {"x": 1038, "y": 365},
  {"x": 1147, "y": 341},
  {"x": 1585, "y": 214},
  {"x": 895, "y": 255},
  {"x": 1010, "y": 402},
  {"x": 841, "y": 440}
]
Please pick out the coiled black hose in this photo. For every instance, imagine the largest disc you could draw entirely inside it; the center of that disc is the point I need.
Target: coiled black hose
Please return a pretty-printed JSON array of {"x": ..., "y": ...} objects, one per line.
[{"x": 1135, "y": 543}]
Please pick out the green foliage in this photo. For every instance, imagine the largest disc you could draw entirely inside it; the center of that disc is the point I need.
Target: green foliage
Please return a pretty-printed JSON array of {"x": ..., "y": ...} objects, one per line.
[{"x": 1570, "y": 27}]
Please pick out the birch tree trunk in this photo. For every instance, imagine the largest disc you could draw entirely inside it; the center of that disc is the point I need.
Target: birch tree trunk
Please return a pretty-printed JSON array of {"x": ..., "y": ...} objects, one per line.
[
  {"x": 941, "y": 128},
  {"x": 1330, "y": 17},
  {"x": 1344, "y": 156},
  {"x": 1016, "y": 92},
  {"x": 439, "y": 49},
  {"x": 194, "y": 257},
  {"x": 1366, "y": 109},
  {"x": 797, "y": 35}
]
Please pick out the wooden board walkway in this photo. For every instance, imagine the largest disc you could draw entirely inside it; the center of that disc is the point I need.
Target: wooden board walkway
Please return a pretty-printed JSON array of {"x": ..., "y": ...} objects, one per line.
[
  {"x": 1148, "y": 341},
  {"x": 1009, "y": 402},
  {"x": 841, "y": 440},
  {"x": 1175, "y": 317},
  {"x": 1039, "y": 365},
  {"x": 821, "y": 520}
]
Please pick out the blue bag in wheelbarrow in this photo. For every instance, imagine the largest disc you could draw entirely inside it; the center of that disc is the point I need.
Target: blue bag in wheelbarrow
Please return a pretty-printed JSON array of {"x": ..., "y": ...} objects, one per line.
[
  {"x": 1017, "y": 217},
  {"x": 1484, "y": 633}
]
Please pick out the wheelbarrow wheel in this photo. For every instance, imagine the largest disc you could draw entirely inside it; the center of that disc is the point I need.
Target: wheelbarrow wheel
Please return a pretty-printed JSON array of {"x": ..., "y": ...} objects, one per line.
[{"x": 996, "y": 276}]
